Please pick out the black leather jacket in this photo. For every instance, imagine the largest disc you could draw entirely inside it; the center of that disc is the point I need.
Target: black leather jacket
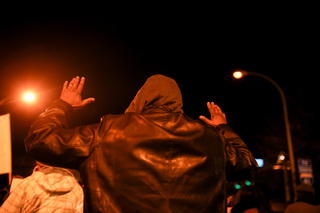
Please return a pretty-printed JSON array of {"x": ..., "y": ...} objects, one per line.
[{"x": 156, "y": 160}]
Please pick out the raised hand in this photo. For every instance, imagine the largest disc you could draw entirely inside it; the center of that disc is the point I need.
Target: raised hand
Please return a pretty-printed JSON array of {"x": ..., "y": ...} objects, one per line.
[
  {"x": 71, "y": 93},
  {"x": 217, "y": 116}
]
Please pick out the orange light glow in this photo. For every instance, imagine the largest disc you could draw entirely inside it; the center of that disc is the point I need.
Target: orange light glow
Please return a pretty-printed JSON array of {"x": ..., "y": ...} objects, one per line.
[
  {"x": 29, "y": 97},
  {"x": 238, "y": 74},
  {"x": 281, "y": 157}
]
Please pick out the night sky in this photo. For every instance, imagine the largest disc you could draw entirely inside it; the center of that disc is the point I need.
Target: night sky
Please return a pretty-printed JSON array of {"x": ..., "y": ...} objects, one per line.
[{"x": 199, "y": 46}]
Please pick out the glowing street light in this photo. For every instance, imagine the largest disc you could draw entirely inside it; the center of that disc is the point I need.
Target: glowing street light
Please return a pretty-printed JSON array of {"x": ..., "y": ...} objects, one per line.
[
  {"x": 239, "y": 74},
  {"x": 282, "y": 157},
  {"x": 29, "y": 97}
]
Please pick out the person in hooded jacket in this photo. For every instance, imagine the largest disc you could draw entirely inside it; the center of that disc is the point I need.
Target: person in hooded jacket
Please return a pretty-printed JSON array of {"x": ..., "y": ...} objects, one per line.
[
  {"x": 47, "y": 189},
  {"x": 152, "y": 158}
]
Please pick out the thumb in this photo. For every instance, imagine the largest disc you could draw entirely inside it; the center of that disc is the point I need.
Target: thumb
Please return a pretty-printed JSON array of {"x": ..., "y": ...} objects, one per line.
[
  {"x": 83, "y": 104},
  {"x": 204, "y": 119},
  {"x": 88, "y": 101}
]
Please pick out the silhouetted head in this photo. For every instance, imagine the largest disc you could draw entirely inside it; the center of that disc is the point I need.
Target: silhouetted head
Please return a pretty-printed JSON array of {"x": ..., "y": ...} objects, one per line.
[{"x": 158, "y": 91}]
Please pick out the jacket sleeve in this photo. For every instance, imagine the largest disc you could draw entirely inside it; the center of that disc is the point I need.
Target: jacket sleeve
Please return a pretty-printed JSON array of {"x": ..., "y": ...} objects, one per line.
[
  {"x": 240, "y": 161},
  {"x": 51, "y": 141}
]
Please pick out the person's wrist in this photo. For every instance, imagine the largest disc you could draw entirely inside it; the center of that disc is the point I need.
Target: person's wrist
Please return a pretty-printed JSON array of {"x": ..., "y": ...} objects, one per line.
[{"x": 66, "y": 103}]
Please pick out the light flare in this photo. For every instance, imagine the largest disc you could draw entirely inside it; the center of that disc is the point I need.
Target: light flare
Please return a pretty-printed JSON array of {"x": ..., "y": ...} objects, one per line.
[
  {"x": 238, "y": 74},
  {"x": 29, "y": 97}
]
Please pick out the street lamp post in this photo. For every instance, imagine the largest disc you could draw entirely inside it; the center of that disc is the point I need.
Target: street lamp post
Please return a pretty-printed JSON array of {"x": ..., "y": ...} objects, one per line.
[{"x": 240, "y": 74}]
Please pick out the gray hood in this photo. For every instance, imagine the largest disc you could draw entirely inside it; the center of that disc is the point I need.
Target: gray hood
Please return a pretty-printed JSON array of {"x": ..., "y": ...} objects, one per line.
[{"x": 55, "y": 180}]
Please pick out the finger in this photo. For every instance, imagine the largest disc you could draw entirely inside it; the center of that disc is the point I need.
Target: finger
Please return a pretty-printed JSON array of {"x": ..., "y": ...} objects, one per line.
[
  {"x": 76, "y": 82},
  {"x": 83, "y": 104},
  {"x": 71, "y": 83},
  {"x": 210, "y": 108},
  {"x": 81, "y": 84},
  {"x": 88, "y": 101},
  {"x": 218, "y": 109},
  {"x": 65, "y": 85},
  {"x": 213, "y": 111},
  {"x": 204, "y": 119},
  {"x": 213, "y": 106}
]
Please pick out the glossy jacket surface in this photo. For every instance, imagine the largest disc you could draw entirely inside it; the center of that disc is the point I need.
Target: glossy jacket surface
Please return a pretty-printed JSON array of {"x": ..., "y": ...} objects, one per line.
[
  {"x": 154, "y": 162},
  {"x": 153, "y": 158}
]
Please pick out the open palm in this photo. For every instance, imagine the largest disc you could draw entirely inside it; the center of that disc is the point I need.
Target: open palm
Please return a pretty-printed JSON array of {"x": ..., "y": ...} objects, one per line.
[
  {"x": 217, "y": 116},
  {"x": 71, "y": 93}
]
